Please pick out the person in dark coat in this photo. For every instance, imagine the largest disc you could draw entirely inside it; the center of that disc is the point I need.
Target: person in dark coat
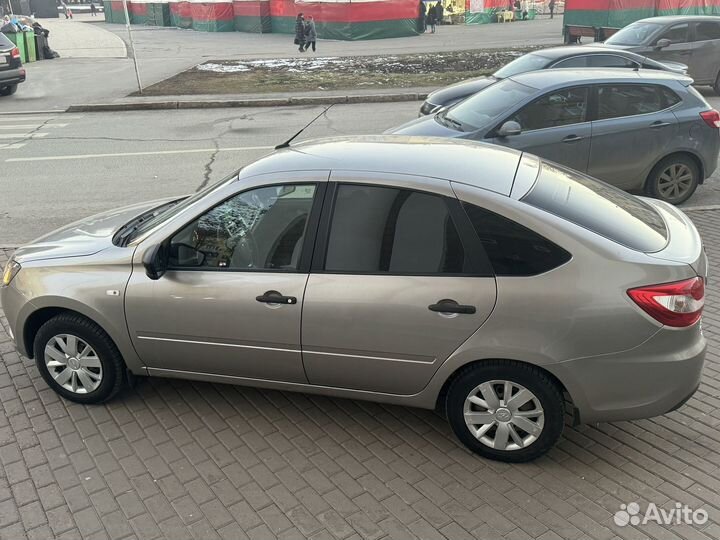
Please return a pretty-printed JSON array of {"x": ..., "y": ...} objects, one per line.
[
  {"x": 422, "y": 18},
  {"x": 300, "y": 32},
  {"x": 310, "y": 33},
  {"x": 551, "y": 6},
  {"x": 439, "y": 13},
  {"x": 431, "y": 18},
  {"x": 93, "y": 9}
]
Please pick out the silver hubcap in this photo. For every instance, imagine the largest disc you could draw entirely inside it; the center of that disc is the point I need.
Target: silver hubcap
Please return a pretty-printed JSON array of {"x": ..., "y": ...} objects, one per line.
[
  {"x": 675, "y": 181},
  {"x": 504, "y": 415},
  {"x": 73, "y": 364}
]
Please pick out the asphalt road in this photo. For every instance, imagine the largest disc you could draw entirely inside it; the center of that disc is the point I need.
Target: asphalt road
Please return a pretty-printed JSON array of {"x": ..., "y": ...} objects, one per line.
[{"x": 57, "y": 168}]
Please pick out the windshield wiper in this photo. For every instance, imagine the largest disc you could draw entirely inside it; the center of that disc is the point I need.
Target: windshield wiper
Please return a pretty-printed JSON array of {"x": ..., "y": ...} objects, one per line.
[
  {"x": 457, "y": 125},
  {"x": 124, "y": 234}
]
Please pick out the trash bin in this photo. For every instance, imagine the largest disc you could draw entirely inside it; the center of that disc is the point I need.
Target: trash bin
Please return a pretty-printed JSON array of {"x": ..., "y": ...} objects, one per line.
[
  {"x": 19, "y": 42},
  {"x": 29, "y": 38},
  {"x": 532, "y": 13}
]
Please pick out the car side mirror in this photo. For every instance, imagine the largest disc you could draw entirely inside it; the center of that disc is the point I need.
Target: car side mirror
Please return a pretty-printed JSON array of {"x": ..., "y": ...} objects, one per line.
[
  {"x": 509, "y": 128},
  {"x": 155, "y": 261},
  {"x": 662, "y": 43},
  {"x": 186, "y": 256}
]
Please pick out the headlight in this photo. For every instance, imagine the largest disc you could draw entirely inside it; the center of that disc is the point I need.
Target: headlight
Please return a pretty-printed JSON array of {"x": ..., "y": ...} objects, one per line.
[{"x": 11, "y": 270}]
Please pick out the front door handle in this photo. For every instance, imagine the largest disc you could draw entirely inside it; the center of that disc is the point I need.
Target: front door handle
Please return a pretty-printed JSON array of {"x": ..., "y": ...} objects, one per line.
[
  {"x": 451, "y": 306},
  {"x": 658, "y": 125},
  {"x": 572, "y": 138},
  {"x": 274, "y": 297}
]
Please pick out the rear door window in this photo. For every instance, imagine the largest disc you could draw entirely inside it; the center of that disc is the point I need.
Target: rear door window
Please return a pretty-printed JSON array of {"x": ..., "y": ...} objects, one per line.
[
  {"x": 384, "y": 230},
  {"x": 705, "y": 31},
  {"x": 610, "y": 61},
  {"x": 598, "y": 207},
  {"x": 615, "y": 101}
]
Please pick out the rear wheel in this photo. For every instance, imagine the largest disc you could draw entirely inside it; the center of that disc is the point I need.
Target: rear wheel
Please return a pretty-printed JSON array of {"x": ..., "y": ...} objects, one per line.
[
  {"x": 674, "y": 179},
  {"x": 716, "y": 86},
  {"x": 9, "y": 90},
  {"x": 78, "y": 359},
  {"x": 507, "y": 411}
]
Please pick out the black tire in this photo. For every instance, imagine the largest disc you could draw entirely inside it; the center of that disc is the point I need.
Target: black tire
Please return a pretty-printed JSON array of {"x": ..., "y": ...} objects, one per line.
[
  {"x": 654, "y": 186},
  {"x": 716, "y": 86},
  {"x": 9, "y": 90},
  {"x": 113, "y": 366},
  {"x": 535, "y": 380}
]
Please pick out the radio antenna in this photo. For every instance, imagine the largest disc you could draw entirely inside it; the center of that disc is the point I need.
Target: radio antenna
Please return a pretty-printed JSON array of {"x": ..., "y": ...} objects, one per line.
[{"x": 291, "y": 139}]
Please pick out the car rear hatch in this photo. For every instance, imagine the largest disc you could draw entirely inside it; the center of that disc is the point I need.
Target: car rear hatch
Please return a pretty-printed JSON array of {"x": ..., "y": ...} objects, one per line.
[
  {"x": 684, "y": 243},
  {"x": 9, "y": 54}
]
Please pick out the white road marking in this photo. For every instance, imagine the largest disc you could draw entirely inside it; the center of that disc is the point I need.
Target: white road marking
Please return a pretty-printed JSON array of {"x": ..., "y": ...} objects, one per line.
[
  {"x": 22, "y": 135},
  {"x": 40, "y": 119},
  {"x": 131, "y": 154},
  {"x": 31, "y": 126},
  {"x": 11, "y": 146}
]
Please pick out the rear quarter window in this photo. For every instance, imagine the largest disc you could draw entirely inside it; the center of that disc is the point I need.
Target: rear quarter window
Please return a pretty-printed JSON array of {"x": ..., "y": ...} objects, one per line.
[
  {"x": 598, "y": 207},
  {"x": 514, "y": 250}
]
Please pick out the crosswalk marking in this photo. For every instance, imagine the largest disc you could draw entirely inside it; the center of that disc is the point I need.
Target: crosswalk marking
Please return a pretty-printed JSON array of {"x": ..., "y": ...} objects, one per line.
[
  {"x": 22, "y": 135},
  {"x": 31, "y": 126},
  {"x": 16, "y": 119},
  {"x": 13, "y": 146}
]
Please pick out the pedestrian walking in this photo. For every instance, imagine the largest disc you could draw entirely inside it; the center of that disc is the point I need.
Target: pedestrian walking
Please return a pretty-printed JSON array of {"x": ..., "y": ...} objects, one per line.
[
  {"x": 551, "y": 6},
  {"x": 300, "y": 32},
  {"x": 93, "y": 9},
  {"x": 431, "y": 18},
  {"x": 422, "y": 18},
  {"x": 439, "y": 13},
  {"x": 310, "y": 33}
]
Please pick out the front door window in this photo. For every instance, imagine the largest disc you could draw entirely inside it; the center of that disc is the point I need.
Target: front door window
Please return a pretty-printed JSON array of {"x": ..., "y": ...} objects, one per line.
[{"x": 260, "y": 229}]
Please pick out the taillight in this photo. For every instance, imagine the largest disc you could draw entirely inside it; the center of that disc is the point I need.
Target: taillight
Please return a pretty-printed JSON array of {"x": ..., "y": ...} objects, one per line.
[
  {"x": 712, "y": 118},
  {"x": 15, "y": 53},
  {"x": 676, "y": 304}
]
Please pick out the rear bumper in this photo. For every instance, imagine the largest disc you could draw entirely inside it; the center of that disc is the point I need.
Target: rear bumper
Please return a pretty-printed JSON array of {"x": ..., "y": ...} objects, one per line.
[
  {"x": 12, "y": 76},
  {"x": 654, "y": 378}
]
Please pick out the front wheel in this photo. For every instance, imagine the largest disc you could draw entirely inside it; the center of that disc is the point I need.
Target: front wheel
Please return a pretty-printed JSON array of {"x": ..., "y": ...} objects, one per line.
[
  {"x": 506, "y": 411},
  {"x": 78, "y": 359},
  {"x": 674, "y": 179},
  {"x": 9, "y": 90}
]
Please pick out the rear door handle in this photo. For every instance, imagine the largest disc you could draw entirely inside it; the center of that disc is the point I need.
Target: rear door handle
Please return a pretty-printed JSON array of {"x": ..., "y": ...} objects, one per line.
[
  {"x": 658, "y": 125},
  {"x": 451, "y": 306},
  {"x": 274, "y": 297},
  {"x": 572, "y": 138}
]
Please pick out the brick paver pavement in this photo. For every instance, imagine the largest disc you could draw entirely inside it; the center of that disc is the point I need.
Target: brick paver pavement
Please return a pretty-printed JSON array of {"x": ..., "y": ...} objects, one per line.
[{"x": 182, "y": 460}]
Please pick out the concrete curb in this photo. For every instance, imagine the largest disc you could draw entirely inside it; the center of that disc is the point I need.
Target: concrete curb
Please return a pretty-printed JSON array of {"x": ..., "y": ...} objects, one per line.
[{"x": 254, "y": 102}]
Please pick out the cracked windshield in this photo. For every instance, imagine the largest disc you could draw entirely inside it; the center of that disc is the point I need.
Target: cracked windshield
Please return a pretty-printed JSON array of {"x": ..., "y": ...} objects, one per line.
[{"x": 359, "y": 269}]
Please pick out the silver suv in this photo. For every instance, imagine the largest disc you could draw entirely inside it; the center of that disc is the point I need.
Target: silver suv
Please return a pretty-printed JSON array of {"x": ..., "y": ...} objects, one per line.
[{"x": 493, "y": 290}]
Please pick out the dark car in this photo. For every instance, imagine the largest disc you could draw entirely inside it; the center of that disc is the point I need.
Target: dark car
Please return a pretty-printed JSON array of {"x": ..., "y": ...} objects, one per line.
[
  {"x": 639, "y": 130},
  {"x": 11, "y": 71},
  {"x": 557, "y": 57},
  {"x": 692, "y": 40}
]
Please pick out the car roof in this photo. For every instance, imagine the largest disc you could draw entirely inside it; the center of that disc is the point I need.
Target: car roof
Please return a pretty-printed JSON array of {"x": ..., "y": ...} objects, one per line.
[
  {"x": 483, "y": 165},
  {"x": 564, "y": 76},
  {"x": 665, "y": 19},
  {"x": 554, "y": 53}
]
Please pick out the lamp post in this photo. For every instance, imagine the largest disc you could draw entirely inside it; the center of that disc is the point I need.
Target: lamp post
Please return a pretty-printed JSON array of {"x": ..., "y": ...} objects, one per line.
[{"x": 132, "y": 46}]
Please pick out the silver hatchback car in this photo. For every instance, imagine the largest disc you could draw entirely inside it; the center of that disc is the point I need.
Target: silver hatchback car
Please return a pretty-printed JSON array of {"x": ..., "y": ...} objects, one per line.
[{"x": 495, "y": 290}]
